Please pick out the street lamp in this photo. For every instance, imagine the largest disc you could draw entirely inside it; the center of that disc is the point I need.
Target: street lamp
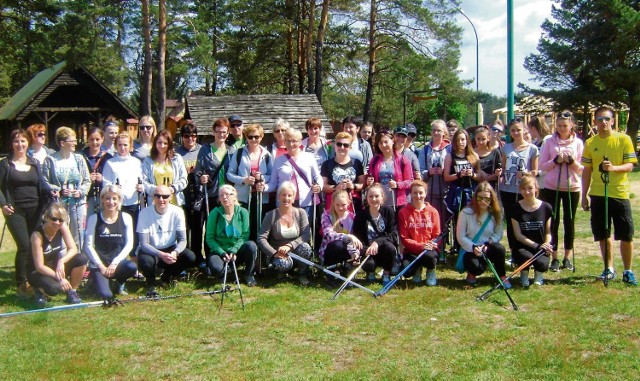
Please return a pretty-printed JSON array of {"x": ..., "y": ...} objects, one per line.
[{"x": 477, "y": 59}]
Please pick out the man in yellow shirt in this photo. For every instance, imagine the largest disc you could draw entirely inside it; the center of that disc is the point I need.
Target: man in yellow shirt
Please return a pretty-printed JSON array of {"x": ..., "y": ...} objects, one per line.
[{"x": 609, "y": 156}]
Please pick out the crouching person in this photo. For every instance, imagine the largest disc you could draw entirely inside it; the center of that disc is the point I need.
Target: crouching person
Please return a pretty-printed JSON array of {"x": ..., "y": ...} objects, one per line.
[
  {"x": 108, "y": 242},
  {"x": 163, "y": 240},
  {"x": 54, "y": 256},
  {"x": 228, "y": 235},
  {"x": 419, "y": 226}
]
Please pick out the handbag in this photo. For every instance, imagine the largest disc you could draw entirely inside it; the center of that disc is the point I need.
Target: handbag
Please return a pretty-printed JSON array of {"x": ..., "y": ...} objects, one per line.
[{"x": 460, "y": 261}]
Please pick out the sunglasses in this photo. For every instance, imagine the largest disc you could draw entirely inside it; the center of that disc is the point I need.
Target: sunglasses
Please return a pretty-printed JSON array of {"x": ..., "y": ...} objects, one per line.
[
  {"x": 146, "y": 127},
  {"x": 565, "y": 115},
  {"x": 236, "y": 125},
  {"x": 495, "y": 129},
  {"x": 190, "y": 135},
  {"x": 253, "y": 137},
  {"x": 485, "y": 199},
  {"x": 343, "y": 145},
  {"x": 40, "y": 134},
  {"x": 279, "y": 131},
  {"x": 603, "y": 118},
  {"x": 161, "y": 196},
  {"x": 516, "y": 120},
  {"x": 56, "y": 219},
  {"x": 293, "y": 141},
  {"x": 70, "y": 141}
]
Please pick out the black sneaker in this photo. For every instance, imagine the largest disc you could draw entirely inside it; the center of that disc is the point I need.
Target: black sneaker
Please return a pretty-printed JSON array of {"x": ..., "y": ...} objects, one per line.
[
  {"x": 555, "y": 265},
  {"x": 566, "y": 263},
  {"x": 251, "y": 281},
  {"x": 41, "y": 300},
  {"x": 73, "y": 298},
  {"x": 152, "y": 293}
]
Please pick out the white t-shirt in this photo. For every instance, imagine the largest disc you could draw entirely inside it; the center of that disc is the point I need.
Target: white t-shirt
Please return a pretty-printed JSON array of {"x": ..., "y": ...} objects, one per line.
[{"x": 161, "y": 227}]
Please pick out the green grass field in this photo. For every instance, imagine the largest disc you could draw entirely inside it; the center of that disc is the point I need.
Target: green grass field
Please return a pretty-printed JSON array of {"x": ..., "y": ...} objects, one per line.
[{"x": 572, "y": 328}]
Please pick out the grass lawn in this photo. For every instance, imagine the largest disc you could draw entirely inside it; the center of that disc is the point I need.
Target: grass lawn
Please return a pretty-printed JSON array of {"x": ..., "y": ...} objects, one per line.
[{"x": 572, "y": 328}]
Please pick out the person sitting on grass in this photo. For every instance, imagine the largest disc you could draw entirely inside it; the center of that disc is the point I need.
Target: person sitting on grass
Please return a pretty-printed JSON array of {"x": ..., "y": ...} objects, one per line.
[
  {"x": 419, "y": 225},
  {"x": 108, "y": 242},
  {"x": 286, "y": 229},
  {"x": 338, "y": 244},
  {"x": 375, "y": 227},
  {"x": 484, "y": 205},
  {"x": 531, "y": 224},
  {"x": 228, "y": 235},
  {"x": 55, "y": 255},
  {"x": 162, "y": 232}
]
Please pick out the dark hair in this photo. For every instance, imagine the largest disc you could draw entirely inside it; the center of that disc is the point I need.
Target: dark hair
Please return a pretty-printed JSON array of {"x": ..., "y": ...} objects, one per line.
[
  {"x": 170, "y": 151},
  {"x": 354, "y": 120},
  {"x": 188, "y": 129},
  {"x": 313, "y": 122},
  {"x": 379, "y": 137},
  {"x": 604, "y": 108},
  {"x": 19, "y": 132},
  {"x": 94, "y": 130}
]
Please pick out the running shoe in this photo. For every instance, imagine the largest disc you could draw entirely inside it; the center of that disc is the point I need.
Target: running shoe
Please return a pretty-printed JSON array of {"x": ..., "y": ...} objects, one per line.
[
  {"x": 72, "y": 297},
  {"x": 524, "y": 278},
  {"x": 371, "y": 277},
  {"x": 471, "y": 279},
  {"x": 505, "y": 282},
  {"x": 629, "y": 278},
  {"x": 538, "y": 278},
  {"x": 555, "y": 265},
  {"x": 40, "y": 298},
  {"x": 431, "y": 278},
  {"x": 607, "y": 274},
  {"x": 566, "y": 263}
]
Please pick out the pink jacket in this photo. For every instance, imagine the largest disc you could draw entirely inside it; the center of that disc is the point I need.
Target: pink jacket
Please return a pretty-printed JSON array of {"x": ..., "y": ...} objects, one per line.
[
  {"x": 550, "y": 149},
  {"x": 403, "y": 174}
]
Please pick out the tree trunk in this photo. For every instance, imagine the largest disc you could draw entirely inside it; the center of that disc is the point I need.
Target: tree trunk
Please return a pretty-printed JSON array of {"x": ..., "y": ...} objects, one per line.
[
  {"x": 162, "y": 52},
  {"x": 634, "y": 119},
  {"x": 290, "y": 61},
  {"x": 147, "y": 73},
  {"x": 302, "y": 55},
  {"x": 324, "y": 18},
  {"x": 309, "y": 47},
  {"x": 214, "y": 50},
  {"x": 368, "y": 101}
]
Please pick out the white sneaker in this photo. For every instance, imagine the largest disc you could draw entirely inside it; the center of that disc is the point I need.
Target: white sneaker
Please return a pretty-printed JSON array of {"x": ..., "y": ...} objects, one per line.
[
  {"x": 537, "y": 278},
  {"x": 431, "y": 278},
  {"x": 524, "y": 278}
]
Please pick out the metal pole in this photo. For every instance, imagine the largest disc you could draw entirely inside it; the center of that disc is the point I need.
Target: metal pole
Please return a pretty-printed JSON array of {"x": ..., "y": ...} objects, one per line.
[
  {"x": 510, "y": 93},
  {"x": 477, "y": 61}
]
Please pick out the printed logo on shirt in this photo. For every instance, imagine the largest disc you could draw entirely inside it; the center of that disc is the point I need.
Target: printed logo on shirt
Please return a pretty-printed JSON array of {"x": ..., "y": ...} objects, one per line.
[
  {"x": 530, "y": 226},
  {"x": 420, "y": 224},
  {"x": 107, "y": 234}
]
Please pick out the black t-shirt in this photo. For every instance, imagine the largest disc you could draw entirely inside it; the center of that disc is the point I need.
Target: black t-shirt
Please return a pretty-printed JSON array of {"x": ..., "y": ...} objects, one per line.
[
  {"x": 52, "y": 250},
  {"x": 533, "y": 224},
  {"x": 337, "y": 173},
  {"x": 458, "y": 163},
  {"x": 23, "y": 186},
  {"x": 109, "y": 239},
  {"x": 489, "y": 164}
]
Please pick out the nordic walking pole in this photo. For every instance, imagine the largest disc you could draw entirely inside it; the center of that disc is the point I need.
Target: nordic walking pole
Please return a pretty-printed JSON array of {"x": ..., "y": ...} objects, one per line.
[
  {"x": 328, "y": 272},
  {"x": 235, "y": 271},
  {"x": 350, "y": 278},
  {"x": 495, "y": 274},
  {"x": 573, "y": 252},
  {"x": 259, "y": 218},
  {"x": 224, "y": 285},
  {"x": 313, "y": 222},
  {"x": 515, "y": 272},
  {"x": 4, "y": 227},
  {"x": 206, "y": 199},
  {"x": 604, "y": 175}
]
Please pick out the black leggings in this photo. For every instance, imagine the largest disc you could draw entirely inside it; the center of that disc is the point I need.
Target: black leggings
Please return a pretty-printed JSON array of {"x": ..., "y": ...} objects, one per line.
[
  {"x": 246, "y": 255},
  {"x": 568, "y": 215},
  {"x": 477, "y": 265},
  {"x": 384, "y": 258},
  {"x": 521, "y": 255},
  {"x": 509, "y": 200},
  {"x": 253, "y": 212},
  {"x": 125, "y": 270},
  {"x": 336, "y": 252},
  {"x": 48, "y": 284},
  {"x": 21, "y": 224},
  {"x": 429, "y": 260},
  {"x": 149, "y": 263}
]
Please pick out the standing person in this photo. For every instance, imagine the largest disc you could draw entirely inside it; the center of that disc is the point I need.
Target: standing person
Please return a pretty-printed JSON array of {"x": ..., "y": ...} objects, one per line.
[
  {"x": 147, "y": 131},
  {"x": 391, "y": 170},
  {"x": 55, "y": 255},
  {"x": 609, "y": 155},
  {"x": 342, "y": 172},
  {"x": 490, "y": 159},
  {"x": 366, "y": 133},
  {"x": 286, "y": 229},
  {"x": 189, "y": 150},
  {"x": 125, "y": 171},
  {"x": 561, "y": 158},
  {"x": 108, "y": 244},
  {"x": 67, "y": 174},
  {"x": 23, "y": 194},
  {"x": 360, "y": 149},
  {"x": 375, "y": 227},
  {"x": 452, "y": 127},
  {"x": 38, "y": 137},
  {"x": 279, "y": 146},
  {"x": 539, "y": 132},
  {"x": 419, "y": 225},
  {"x": 412, "y": 134},
  {"x": 400, "y": 135},
  {"x": 228, "y": 236},
  {"x": 164, "y": 167},
  {"x": 338, "y": 243},
  {"x": 431, "y": 158},
  {"x": 301, "y": 169},
  {"x": 484, "y": 206},
  {"x": 162, "y": 233},
  {"x": 497, "y": 133},
  {"x": 96, "y": 159},
  {"x": 531, "y": 224},
  {"x": 111, "y": 129},
  {"x": 314, "y": 143},
  {"x": 250, "y": 168},
  {"x": 236, "y": 137},
  {"x": 518, "y": 157}
]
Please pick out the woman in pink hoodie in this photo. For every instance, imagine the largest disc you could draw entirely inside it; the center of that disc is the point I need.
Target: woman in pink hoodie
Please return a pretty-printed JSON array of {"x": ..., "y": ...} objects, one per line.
[
  {"x": 560, "y": 159},
  {"x": 390, "y": 169}
]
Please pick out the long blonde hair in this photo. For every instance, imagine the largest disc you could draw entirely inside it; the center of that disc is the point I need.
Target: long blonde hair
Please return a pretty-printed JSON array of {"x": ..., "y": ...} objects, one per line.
[{"x": 335, "y": 219}]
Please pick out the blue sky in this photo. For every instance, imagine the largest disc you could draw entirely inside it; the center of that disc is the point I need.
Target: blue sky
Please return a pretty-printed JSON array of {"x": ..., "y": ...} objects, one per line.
[{"x": 490, "y": 20}]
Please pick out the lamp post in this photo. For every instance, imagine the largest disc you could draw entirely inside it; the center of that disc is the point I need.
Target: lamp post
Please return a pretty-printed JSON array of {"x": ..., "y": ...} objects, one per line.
[{"x": 477, "y": 59}]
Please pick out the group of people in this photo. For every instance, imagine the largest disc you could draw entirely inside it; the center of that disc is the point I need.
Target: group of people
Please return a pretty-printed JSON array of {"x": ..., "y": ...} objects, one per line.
[{"x": 125, "y": 208}]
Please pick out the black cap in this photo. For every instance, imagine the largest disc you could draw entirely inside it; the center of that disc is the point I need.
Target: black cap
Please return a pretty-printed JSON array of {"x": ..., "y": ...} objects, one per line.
[
  {"x": 401, "y": 130},
  {"x": 411, "y": 129},
  {"x": 234, "y": 119}
]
